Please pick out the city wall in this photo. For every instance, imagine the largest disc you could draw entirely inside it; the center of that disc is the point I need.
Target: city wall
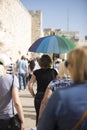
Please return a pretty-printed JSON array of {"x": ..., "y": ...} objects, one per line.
[
  {"x": 19, "y": 28},
  {"x": 15, "y": 28}
]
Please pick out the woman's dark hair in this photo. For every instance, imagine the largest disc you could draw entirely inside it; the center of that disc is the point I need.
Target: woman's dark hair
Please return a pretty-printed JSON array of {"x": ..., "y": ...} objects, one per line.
[{"x": 45, "y": 61}]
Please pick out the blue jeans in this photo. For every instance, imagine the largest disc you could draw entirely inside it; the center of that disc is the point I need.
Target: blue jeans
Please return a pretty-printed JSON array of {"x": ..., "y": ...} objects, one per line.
[{"x": 22, "y": 79}]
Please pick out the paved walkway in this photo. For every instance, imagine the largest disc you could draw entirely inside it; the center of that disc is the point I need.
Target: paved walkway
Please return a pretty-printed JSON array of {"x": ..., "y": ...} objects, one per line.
[{"x": 28, "y": 109}]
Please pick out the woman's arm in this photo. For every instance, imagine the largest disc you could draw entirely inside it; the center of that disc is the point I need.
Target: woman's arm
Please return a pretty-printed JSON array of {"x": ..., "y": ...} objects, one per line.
[
  {"x": 47, "y": 95},
  {"x": 18, "y": 106},
  {"x": 30, "y": 85}
]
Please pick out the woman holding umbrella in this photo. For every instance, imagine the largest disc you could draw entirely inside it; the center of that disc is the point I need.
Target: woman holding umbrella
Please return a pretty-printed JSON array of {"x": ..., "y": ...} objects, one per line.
[{"x": 42, "y": 76}]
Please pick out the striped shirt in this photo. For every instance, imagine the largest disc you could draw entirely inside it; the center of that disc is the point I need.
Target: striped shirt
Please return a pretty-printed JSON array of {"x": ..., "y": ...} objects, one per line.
[
  {"x": 60, "y": 83},
  {"x": 10, "y": 69}
]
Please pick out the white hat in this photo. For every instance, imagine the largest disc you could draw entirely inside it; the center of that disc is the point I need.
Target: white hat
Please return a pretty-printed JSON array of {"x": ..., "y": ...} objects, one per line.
[{"x": 4, "y": 60}]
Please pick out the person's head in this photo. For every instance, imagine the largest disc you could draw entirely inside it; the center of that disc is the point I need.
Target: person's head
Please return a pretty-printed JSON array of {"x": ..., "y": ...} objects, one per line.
[
  {"x": 55, "y": 56},
  {"x": 45, "y": 61},
  {"x": 22, "y": 57},
  {"x": 77, "y": 64},
  {"x": 4, "y": 63}
]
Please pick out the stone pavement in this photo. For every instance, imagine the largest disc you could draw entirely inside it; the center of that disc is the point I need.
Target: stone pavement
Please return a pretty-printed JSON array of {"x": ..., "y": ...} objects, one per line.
[{"x": 28, "y": 109}]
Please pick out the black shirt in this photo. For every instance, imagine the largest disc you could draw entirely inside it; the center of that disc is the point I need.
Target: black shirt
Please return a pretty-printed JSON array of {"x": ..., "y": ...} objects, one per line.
[{"x": 43, "y": 77}]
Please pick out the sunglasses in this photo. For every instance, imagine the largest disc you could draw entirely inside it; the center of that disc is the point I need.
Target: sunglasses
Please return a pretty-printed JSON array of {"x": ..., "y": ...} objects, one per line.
[{"x": 66, "y": 63}]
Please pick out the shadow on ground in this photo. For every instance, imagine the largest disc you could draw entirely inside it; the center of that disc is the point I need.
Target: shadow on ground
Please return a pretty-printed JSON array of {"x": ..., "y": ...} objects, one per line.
[
  {"x": 28, "y": 106},
  {"x": 25, "y": 96},
  {"x": 30, "y": 116}
]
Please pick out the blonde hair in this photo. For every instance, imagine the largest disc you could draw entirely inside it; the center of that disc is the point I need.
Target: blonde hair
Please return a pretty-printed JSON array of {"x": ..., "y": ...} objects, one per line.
[
  {"x": 77, "y": 59},
  {"x": 63, "y": 71}
]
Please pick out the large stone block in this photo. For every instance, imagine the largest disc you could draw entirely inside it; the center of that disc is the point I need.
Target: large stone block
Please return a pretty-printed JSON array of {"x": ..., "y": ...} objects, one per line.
[{"x": 15, "y": 28}]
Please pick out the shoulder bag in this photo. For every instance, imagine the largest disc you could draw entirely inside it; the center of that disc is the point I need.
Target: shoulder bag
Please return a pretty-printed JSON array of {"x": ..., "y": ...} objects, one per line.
[{"x": 15, "y": 122}]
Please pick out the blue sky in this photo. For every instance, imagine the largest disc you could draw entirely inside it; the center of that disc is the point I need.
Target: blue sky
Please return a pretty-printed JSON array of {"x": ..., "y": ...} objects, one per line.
[{"x": 56, "y": 12}]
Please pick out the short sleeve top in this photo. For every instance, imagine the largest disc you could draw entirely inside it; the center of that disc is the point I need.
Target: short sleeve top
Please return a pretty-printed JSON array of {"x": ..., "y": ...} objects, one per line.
[
  {"x": 43, "y": 77},
  {"x": 6, "y": 95},
  {"x": 60, "y": 83}
]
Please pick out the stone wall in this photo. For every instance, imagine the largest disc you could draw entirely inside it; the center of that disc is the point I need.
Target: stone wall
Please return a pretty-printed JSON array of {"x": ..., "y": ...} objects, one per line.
[
  {"x": 15, "y": 28},
  {"x": 19, "y": 28},
  {"x": 36, "y": 26}
]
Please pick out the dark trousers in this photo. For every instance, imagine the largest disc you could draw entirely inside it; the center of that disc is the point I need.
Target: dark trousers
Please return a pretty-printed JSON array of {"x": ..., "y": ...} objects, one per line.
[
  {"x": 37, "y": 103},
  {"x": 28, "y": 78}
]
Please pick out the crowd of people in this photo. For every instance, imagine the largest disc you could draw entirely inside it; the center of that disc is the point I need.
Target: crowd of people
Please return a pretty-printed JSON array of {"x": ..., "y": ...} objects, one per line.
[
  {"x": 67, "y": 107},
  {"x": 61, "y": 98}
]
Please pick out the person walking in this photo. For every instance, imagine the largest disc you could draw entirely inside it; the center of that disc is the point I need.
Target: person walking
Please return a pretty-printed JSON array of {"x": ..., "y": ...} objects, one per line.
[
  {"x": 63, "y": 81},
  {"x": 67, "y": 108},
  {"x": 11, "y": 67},
  {"x": 31, "y": 65},
  {"x": 42, "y": 76},
  {"x": 22, "y": 72},
  {"x": 9, "y": 96}
]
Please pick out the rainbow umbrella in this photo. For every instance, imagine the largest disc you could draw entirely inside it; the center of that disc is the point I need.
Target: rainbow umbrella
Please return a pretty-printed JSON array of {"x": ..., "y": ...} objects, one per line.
[{"x": 52, "y": 44}]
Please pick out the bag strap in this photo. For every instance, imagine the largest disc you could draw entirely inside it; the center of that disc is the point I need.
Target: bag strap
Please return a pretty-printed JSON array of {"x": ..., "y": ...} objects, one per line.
[
  {"x": 12, "y": 99},
  {"x": 84, "y": 115}
]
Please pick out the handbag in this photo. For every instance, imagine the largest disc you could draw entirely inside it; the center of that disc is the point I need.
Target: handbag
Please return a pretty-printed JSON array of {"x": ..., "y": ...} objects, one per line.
[{"x": 15, "y": 122}]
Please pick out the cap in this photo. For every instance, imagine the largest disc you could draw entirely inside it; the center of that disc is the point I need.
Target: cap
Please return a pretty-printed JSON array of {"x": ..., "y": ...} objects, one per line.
[{"x": 4, "y": 60}]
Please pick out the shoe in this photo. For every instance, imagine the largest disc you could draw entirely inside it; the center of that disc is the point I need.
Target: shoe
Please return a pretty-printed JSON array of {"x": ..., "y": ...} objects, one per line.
[{"x": 33, "y": 129}]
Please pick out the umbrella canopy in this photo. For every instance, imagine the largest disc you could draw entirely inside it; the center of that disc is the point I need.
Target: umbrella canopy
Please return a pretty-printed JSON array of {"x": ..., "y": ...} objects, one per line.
[{"x": 52, "y": 44}]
